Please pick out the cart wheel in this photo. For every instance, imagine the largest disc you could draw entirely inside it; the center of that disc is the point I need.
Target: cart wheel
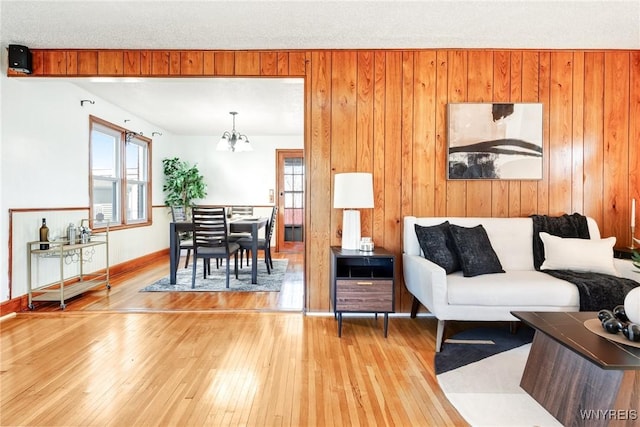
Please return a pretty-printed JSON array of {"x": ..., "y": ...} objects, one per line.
[
  {"x": 63, "y": 306},
  {"x": 108, "y": 286},
  {"x": 31, "y": 307}
]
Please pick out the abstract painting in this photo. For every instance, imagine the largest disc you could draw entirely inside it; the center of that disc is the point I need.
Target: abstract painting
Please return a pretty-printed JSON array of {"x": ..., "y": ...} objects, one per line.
[{"x": 495, "y": 141}]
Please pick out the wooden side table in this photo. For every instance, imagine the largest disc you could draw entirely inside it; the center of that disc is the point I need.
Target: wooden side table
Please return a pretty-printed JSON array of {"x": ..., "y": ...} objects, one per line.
[{"x": 362, "y": 282}]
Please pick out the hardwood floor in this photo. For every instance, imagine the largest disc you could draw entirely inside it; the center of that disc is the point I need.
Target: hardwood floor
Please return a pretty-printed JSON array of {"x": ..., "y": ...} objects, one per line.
[
  {"x": 131, "y": 358},
  {"x": 125, "y": 294}
]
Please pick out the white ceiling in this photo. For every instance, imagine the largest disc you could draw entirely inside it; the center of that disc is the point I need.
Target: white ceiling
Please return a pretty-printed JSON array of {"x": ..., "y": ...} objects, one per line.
[
  {"x": 311, "y": 24},
  {"x": 187, "y": 106},
  {"x": 201, "y": 106}
]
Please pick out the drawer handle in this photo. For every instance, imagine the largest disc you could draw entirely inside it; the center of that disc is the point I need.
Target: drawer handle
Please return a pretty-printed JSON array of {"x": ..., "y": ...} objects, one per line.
[{"x": 365, "y": 283}]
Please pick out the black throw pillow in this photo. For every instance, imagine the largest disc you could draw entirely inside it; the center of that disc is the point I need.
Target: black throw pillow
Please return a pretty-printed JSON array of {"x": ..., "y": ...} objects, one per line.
[
  {"x": 438, "y": 247},
  {"x": 475, "y": 251}
]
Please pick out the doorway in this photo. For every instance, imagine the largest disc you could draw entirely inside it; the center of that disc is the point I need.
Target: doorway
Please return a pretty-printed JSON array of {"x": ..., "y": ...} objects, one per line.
[{"x": 290, "y": 189}]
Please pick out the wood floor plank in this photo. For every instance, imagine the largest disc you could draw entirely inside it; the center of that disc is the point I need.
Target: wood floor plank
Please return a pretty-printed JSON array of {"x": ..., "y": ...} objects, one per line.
[
  {"x": 140, "y": 359},
  {"x": 125, "y": 294}
]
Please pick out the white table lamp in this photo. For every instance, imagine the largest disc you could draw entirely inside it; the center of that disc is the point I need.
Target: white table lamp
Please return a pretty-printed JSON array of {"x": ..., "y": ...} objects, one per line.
[{"x": 352, "y": 191}]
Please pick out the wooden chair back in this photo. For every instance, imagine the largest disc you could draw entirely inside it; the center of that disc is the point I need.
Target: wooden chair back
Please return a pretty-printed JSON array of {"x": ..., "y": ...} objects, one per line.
[
  {"x": 209, "y": 228},
  {"x": 270, "y": 226},
  {"x": 241, "y": 210}
]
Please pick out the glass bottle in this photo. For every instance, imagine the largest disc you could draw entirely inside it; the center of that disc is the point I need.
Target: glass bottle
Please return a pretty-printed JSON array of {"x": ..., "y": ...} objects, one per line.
[{"x": 44, "y": 235}]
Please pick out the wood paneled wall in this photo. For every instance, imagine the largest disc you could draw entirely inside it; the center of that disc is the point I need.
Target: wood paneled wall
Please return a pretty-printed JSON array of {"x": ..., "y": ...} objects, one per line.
[{"x": 385, "y": 111}]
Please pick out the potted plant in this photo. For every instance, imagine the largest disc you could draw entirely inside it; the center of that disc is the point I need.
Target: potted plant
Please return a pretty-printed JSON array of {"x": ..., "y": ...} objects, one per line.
[
  {"x": 635, "y": 259},
  {"x": 183, "y": 183}
]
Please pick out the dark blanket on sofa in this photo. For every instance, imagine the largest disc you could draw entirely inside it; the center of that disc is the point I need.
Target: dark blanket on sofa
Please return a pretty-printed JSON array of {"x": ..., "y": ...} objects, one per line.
[
  {"x": 574, "y": 226},
  {"x": 597, "y": 291}
]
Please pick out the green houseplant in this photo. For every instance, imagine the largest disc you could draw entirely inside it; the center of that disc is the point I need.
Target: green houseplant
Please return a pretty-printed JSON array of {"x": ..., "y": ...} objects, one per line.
[
  {"x": 635, "y": 259},
  {"x": 183, "y": 183}
]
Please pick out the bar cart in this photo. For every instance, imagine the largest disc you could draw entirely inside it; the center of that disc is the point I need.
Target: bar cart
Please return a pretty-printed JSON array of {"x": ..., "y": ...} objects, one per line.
[{"x": 68, "y": 253}]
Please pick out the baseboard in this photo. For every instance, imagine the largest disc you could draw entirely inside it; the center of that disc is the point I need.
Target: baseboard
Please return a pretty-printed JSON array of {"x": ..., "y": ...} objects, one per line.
[
  {"x": 351, "y": 314},
  {"x": 21, "y": 303},
  {"x": 13, "y": 305},
  {"x": 137, "y": 262}
]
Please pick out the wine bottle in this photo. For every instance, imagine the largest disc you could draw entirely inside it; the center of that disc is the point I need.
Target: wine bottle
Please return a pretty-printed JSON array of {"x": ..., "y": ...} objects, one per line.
[{"x": 44, "y": 235}]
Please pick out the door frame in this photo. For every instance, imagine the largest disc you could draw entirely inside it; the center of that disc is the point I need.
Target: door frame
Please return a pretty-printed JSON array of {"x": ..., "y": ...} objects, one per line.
[{"x": 281, "y": 246}]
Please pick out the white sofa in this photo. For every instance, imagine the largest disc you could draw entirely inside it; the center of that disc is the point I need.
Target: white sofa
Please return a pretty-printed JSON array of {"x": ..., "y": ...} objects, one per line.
[{"x": 489, "y": 297}]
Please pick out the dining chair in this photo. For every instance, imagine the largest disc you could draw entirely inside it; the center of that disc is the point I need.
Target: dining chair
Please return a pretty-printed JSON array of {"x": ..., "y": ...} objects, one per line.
[
  {"x": 241, "y": 210},
  {"x": 210, "y": 240},
  {"x": 236, "y": 211},
  {"x": 263, "y": 244},
  {"x": 186, "y": 241}
]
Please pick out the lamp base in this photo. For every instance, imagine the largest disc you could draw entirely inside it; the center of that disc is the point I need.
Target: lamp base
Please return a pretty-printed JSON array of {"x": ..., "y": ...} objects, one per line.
[{"x": 351, "y": 229}]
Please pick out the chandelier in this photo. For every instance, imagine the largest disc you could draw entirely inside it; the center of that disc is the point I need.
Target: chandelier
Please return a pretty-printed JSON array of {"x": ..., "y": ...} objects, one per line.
[{"x": 234, "y": 140}]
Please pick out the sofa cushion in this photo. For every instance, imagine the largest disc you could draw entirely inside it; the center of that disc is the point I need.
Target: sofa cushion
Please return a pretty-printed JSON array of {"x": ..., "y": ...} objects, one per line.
[
  {"x": 581, "y": 255},
  {"x": 510, "y": 237},
  {"x": 437, "y": 245},
  {"x": 515, "y": 288},
  {"x": 573, "y": 226},
  {"x": 475, "y": 251}
]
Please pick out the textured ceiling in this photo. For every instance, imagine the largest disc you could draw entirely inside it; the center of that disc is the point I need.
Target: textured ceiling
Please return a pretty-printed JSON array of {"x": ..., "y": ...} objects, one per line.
[
  {"x": 189, "y": 106},
  {"x": 269, "y": 24},
  {"x": 268, "y": 106}
]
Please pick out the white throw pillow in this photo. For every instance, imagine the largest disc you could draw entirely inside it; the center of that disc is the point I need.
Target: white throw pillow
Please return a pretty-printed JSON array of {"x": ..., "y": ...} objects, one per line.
[{"x": 584, "y": 255}]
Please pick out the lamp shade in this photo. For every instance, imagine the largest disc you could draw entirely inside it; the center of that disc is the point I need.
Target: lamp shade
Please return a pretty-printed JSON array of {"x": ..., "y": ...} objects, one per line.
[
  {"x": 223, "y": 144},
  {"x": 353, "y": 190}
]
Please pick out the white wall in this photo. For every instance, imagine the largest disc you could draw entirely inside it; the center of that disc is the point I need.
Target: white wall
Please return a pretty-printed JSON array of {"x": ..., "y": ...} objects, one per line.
[
  {"x": 44, "y": 163},
  {"x": 4, "y": 280},
  {"x": 239, "y": 178},
  {"x": 45, "y": 135}
]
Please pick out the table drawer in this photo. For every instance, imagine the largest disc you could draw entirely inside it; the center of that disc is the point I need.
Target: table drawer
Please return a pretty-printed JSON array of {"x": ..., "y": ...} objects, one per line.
[{"x": 364, "y": 295}]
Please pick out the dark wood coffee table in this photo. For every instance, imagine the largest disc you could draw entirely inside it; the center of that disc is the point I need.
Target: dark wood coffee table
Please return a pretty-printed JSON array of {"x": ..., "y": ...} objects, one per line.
[{"x": 574, "y": 373}]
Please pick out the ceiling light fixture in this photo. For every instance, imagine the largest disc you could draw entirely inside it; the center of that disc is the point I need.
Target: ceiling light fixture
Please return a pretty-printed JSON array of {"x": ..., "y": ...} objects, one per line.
[{"x": 234, "y": 140}]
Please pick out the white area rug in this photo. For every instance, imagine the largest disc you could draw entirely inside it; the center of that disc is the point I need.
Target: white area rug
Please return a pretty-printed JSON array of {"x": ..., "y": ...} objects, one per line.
[{"x": 488, "y": 393}]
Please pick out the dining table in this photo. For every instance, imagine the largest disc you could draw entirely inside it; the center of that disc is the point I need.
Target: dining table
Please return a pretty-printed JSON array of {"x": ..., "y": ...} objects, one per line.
[{"x": 236, "y": 225}]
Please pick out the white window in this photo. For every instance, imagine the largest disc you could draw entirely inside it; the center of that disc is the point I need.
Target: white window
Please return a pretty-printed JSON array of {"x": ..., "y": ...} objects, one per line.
[{"x": 120, "y": 176}]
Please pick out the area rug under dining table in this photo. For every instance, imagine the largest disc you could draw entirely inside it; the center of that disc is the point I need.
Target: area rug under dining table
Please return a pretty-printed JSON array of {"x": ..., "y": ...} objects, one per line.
[{"x": 216, "y": 281}]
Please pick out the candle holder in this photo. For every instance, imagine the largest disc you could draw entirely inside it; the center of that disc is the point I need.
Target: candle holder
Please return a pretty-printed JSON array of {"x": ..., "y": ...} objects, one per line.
[{"x": 633, "y": 229}]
